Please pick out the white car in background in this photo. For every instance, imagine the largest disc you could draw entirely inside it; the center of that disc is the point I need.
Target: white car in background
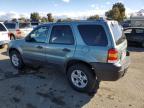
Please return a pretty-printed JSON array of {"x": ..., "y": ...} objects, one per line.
[
  {"x": 4, "y": 35},
  {"x": 18, "y": 30}
]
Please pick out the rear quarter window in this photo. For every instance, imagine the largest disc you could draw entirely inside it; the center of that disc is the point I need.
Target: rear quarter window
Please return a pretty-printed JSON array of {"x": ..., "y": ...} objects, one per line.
[
  {"x": 2, "y": 28},
  {"x": 93, "y": 35}
]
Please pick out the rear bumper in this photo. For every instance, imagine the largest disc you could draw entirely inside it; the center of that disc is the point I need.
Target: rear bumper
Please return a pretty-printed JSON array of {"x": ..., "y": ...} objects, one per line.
[{"x": 109, "y": 71}]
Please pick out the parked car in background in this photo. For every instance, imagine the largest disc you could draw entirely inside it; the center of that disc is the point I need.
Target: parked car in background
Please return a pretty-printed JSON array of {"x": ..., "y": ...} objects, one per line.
[
  {"x": 4, "y": 37},
  {"x": 18, "y": 30},
  {"x": 126, "y": 23},
  {"x": 86, "y": 51},
  {"x": 135, "y": 35},
  {"x": 34, "y": 24}
]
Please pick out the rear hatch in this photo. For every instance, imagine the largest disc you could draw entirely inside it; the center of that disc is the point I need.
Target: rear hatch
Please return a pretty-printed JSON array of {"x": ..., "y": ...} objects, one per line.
[
  {"x": 3, "y": 33},
  {"x": 25, "y": 28},
  {"x": 119, "y": 39}
]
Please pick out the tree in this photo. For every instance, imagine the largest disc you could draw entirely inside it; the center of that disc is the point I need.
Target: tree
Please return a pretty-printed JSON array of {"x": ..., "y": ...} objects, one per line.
[
  {"x": 109, "y": 14},
  {"x": 14, "y": 20},
  {"x": 35, "y": 17},
  {"x": 22, "y": 19},
  {"x": 117, "y": 12},
  {"x": 94, "y": 17},
  {"x": 59, "y": 20},
  {"x": 68, "y": 20},
  {"x": 44, "y": 19},
  {"x": 50, "y": 18}
]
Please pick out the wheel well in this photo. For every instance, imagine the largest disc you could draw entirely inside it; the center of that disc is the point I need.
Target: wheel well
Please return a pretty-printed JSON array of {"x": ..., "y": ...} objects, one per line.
[
  {"x": 73, "y": 62},
  {"x": 13, "y": 49}
]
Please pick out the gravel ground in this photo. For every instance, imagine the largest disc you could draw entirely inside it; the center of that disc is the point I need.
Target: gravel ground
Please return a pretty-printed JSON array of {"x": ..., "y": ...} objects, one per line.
[{"x": 48, "y": 88}]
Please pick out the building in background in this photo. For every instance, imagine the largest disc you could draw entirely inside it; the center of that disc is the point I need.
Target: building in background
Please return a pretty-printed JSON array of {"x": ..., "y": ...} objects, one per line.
[{"x": 137, "y": 19}]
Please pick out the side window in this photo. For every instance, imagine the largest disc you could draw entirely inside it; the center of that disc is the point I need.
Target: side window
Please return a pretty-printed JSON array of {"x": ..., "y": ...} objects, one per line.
[
  {"x": 39, "y": 35},
  {"x": 139, "y": 31},
  {"x": 61, "y": 34},
  {"x": 2, "y": 28},
  {"x": 93, "y": 35}
]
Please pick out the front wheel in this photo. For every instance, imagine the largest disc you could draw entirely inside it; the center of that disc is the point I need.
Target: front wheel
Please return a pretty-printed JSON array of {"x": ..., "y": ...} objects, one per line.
[
  {"x": 81, "y": 78},
  {"x": 16, "y": 60},
  {"x": 2, "y": 46}
]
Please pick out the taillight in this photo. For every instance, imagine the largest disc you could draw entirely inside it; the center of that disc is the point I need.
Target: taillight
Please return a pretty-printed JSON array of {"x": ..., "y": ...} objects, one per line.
[
  {"x": 112, "y": 56},
  {"x": 18, "y": 31}
]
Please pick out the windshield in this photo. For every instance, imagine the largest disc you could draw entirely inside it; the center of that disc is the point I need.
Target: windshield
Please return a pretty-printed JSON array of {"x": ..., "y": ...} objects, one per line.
[
  {"x": 117, "y": 32},
  {"x": 10, "y": 25},
  {"x": 2, "y": 28},
  {"x": 24, "y": 25}
]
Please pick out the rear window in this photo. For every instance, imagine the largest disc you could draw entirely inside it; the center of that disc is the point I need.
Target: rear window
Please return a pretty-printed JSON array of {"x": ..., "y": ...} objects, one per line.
[
  {"x": 117, "y": 32},
  {"x": 93, "y": 35},
  {"x": 10, "y": 25},
  {"x": 24, "y": 25},
  {"x": 2, "y": 28}
]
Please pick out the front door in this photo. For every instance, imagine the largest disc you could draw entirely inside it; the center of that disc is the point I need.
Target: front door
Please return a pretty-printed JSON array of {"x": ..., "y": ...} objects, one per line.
[{"x": 35, "y": 45}]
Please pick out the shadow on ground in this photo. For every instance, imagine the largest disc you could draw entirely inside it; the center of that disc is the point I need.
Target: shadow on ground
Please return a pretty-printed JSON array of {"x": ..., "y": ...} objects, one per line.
[
  {"x": 135, "y": 49},
  {"x": 47, "y": 88}
]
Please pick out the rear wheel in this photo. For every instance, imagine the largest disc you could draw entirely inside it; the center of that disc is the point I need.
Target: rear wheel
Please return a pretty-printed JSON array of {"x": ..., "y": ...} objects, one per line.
[
  {"x": 82, "y": 79},
  {"x": 16, "y": 59}
]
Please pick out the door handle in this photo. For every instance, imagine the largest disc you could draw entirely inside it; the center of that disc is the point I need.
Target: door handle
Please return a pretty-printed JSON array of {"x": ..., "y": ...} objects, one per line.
[
  {"x": 66, "y": 50},
  {"x": 39, "y": 47}
]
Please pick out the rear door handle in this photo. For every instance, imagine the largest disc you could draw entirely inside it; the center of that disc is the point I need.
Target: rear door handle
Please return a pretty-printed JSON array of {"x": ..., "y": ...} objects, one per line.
[
  {"x": 66, "y": 50},
  {"x": 39, "y": 47}
]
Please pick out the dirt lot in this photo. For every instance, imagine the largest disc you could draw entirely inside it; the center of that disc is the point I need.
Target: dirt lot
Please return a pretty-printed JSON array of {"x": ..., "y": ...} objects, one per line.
[{"x": 48, "y": 88}]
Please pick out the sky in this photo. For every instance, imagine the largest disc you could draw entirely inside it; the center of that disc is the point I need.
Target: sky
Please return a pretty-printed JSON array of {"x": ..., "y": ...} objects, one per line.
[{"x": 70, "y": 8}]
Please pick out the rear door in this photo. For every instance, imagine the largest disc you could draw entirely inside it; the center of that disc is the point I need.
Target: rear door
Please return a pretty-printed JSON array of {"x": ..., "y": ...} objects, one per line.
[
  {"x": 3, "y": 33},
  {"x": 35, "y": 45},
  {"x": 61, "y": 44}
]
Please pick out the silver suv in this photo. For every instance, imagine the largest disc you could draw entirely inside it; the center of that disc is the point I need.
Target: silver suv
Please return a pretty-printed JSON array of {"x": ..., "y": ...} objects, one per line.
[{"x": 86, "y": 51}]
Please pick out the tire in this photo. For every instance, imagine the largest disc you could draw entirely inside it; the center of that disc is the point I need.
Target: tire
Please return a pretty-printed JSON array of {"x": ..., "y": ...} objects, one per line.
[
  {"x": 16, "y": 60},
  {"x": 12, "y": 37},
  {"x": 89, "y": 85},
  {"x": 2, "y": 46}
]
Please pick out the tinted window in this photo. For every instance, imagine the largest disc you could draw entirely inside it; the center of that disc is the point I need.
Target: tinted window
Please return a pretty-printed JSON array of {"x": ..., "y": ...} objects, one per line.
[
  {"x": 24, "y": 25},
  {"x": 93, "y": 35},
  {"x": 2, "y": 28},
  {"x": 10, "y": 25},
  {"x": 39, "y": 35},
  {"x": 62, "y": 35}
]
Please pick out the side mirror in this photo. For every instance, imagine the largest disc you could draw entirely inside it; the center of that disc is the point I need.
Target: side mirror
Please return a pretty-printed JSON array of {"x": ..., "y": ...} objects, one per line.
[{"x": 28, "y": 39}]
